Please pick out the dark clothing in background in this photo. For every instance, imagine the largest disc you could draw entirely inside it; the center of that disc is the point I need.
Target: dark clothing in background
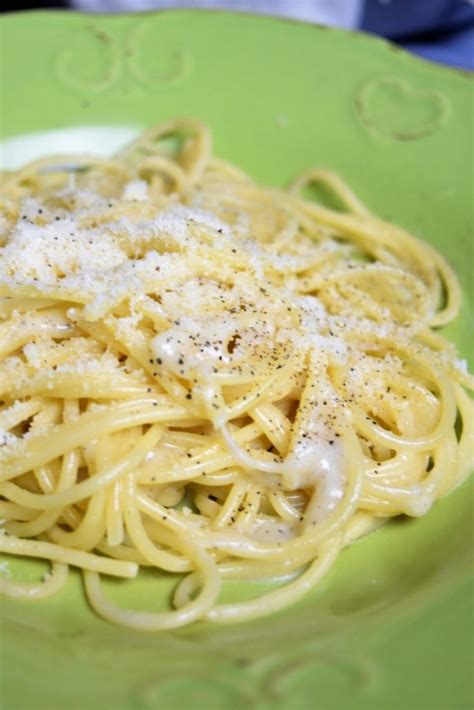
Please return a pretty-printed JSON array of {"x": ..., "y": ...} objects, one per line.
[{"x": 440, "y": 30}]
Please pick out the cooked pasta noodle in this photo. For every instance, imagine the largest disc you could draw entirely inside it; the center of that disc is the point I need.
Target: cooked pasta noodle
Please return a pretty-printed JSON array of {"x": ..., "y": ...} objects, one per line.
[{"x": 213, "y": 378}]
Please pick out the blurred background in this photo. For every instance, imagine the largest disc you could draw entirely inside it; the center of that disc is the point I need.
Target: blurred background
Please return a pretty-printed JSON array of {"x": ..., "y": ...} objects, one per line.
[{"x": 439, "y": 30}]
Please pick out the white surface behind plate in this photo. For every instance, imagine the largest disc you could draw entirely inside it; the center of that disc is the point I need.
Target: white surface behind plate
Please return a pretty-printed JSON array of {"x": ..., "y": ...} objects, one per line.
[{"x": 93, "y": 140}]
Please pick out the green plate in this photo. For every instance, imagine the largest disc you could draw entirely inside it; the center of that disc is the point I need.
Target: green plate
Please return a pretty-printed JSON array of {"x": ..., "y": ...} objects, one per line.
[{"x": 391, "y": 626}]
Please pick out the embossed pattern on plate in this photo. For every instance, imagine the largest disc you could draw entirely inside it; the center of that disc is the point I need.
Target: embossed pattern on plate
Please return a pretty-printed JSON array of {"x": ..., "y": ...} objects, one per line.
[
  {"x": 389, "y": 107},
  {"x": 130, "y": 60}
]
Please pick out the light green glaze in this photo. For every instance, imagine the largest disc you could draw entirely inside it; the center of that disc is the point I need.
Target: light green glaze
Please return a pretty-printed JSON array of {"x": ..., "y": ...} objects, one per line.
[{"x": 391, "y": 627}]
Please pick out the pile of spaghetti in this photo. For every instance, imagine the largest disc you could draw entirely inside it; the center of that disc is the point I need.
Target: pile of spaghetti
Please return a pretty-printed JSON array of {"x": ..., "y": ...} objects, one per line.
[{"x": 213, "y": 378}]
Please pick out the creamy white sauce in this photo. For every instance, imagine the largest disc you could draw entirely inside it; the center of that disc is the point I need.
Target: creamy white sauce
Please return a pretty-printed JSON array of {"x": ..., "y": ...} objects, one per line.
[
  {"x": 136, "y": 190},
  {"x": 319, "y": 465},
  {"x": 420, "y": 505},
  {"x": 191, "y": 346},
  {"x": 265, "y": 530},
  {"x": 317, "y": 461}
]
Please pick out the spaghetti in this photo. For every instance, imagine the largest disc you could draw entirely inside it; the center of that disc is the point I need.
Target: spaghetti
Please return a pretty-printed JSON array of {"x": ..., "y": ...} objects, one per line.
[{"x": 213, "y": 378}]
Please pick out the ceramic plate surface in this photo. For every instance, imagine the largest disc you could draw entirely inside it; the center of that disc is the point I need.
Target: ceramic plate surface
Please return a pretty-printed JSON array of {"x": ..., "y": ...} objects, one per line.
[{"x": 391, "y": 625}]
